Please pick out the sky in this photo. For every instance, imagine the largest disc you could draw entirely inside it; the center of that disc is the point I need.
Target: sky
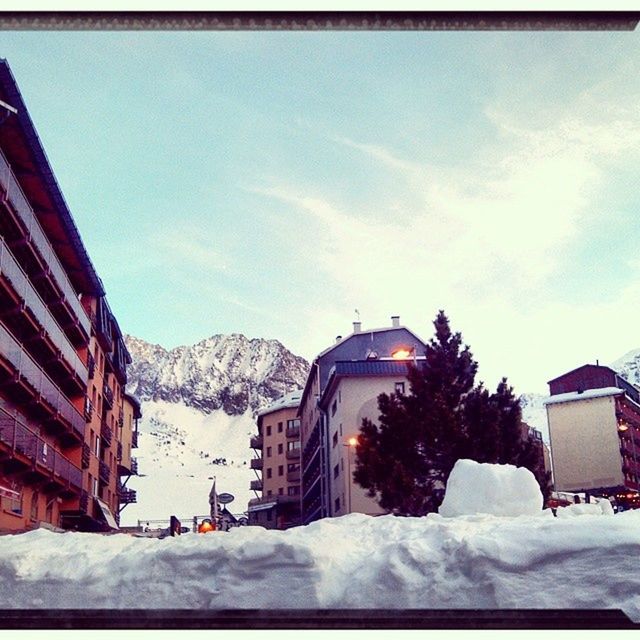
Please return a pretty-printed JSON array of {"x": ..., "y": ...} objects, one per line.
[{"x": 271, "y": 183}]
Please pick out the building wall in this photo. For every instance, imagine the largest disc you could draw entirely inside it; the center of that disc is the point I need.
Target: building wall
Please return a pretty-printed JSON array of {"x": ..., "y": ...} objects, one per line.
[
  {"x": 354, "y": 400},
  {"x": 585, "y": 446},
  {"x": 274, "y": 453}
]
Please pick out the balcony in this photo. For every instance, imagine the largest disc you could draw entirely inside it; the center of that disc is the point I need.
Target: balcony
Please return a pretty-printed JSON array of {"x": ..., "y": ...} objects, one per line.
[
  {"x": 134, "y": 440},
  {"x": 293, "y": 476},
  {"x": 106, "y": 433},
  {"x": 20, "y": 206},
  {"x": 91, "y": 366},
  {"x": 30, "y": 451},
  {"x": 256, "y": 442},
  {"x": 256, "y": 485},
  {"x": 88, "y": 409},
  {"x": 293, "y": 432},
  {"x": 256, "y": 463},
  {"x": 134, "y": 466},
  {"x": 127, "y": 496},
  {"x": 13, "y": 273},
  {"x": 293, "y": 454},
  {"x": 277, "y": 499},
  {"x": 86, "y": 456},
  {"x": 121, "y": 418},
  {"x": 119, "y": 452},
  {"x": 107, "y": 394},
  {"x": 43, "y": 388},
  {"x": 104, "y": 473}
]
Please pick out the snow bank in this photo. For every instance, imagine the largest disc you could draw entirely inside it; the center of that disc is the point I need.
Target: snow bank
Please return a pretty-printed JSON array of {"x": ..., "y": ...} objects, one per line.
[
  {"x": 495, "y": 489},
  {"x": 599, "y": 508},
  {"x": 357, "y": 561}
]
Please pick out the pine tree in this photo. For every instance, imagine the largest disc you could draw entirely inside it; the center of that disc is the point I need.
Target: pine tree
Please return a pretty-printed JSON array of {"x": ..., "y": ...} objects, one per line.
[{"x": 405, "y": 460}]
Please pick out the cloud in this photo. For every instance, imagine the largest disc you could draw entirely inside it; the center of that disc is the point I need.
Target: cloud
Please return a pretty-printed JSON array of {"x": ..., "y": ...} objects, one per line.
[{"x": 186, "y": 248}]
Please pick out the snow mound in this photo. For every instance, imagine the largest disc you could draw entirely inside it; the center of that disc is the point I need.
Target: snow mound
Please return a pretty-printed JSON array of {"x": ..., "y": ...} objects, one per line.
[
  {"x": 494, "y": 489},
  {"x": 353, "y": 562},
  {"x": 600, "y": 508}
]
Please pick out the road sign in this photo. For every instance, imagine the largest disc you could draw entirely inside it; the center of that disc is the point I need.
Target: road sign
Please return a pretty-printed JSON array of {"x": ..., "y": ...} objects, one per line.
[{"x": 225, "y": 498}]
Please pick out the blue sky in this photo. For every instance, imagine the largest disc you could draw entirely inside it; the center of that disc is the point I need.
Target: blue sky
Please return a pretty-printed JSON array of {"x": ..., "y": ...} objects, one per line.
[{"x": 271, "y": 183}]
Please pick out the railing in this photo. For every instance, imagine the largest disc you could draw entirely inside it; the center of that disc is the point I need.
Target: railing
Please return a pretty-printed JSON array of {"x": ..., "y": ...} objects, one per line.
[
  {"x": 91, "y": 366},
  {"x": 256, "y": 442},
  {"x": 83, "y": 503},
  {"x": 293, "y": 476},
  {"x": 134, "y": 439},
  {"x": 23, "y": 210},
  {"x": 104, "y": 473},
  {"x": 42, "y": 384},
  {"x": 121, "y": 418},
  {"x": 119, "y": 452},
  {"x": 21, "y": 284},
  {"x": 86, "y": 456},
  {"x": 256, "y": 463},
  {"x": 134, "y": 466},
  {"x": 293, "y": 432},
  {"x": 278, "y": 498},
  {"x": 23, "y": 441},
  {"x": 256, "y": 485},
  {"x": 127, "y": 496},
  {"x": 293, "y": 454},
  {"x": 106, "y": 433},
  {"x": 107, "y": 394}
]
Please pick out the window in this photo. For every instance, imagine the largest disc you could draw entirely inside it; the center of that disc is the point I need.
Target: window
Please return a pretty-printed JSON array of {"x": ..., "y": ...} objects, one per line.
[
  {"x": 268, "y": 452},
  {"x": 335, "y": 439},
  {"x": 293, "y": 444},
  {"x": 341, "y": 429},
  {"x": 336, "y": 471},
  {"x": 35, "y": 496},
  {"x": 269, "y": 430},
  {"x": 281, "y": 470},
  {"x": 334, "y": 407},
  {"x": 281, "y": 491},
  {"x": 269, "y": 493},
  {"x": 337, "y": 505},
  {"x": 95, "y": 486},
  {"x": 281, "y": 448},
  {"x": 293, "y": 423},
  {"x": 268, "y": 476},
  {"x": 400, "y": 388},
  {"x": 293, "y": 491},
  {"x": 293, "y": 467},
  {"x": 279, "y": 427},
  {"x": 97, "y": 446}
]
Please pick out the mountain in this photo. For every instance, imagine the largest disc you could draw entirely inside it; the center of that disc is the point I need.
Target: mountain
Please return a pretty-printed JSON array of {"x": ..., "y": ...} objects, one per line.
[
  {"x": 198, "y": 411},
  {"x": 629, "y": 366}
]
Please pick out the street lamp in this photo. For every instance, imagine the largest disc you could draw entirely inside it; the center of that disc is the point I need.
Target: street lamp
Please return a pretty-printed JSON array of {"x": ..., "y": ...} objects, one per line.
[{"x": 350, "y": 444}]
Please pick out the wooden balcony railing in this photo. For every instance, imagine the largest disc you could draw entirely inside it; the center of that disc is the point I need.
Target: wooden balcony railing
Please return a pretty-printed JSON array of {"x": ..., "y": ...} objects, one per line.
[
  {"x": 256, "y": 463},
  {"x": 106, "y": 433},
  {"x": 104, "y": 473}
]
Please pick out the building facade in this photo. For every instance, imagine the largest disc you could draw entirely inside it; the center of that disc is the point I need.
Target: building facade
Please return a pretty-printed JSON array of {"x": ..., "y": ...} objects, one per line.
[
  {"x": 277, "y": 465},
  {"x": 594, "y": 428},
  {"x": 342, "y": 389},
  {"x": 62, "y": 355}
]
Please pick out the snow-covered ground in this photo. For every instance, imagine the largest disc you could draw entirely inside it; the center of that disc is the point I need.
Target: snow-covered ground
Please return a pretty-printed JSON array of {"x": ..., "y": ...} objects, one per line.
[
  {"x": 586, "y": 560},
  {"x": 180, "y": 449}
]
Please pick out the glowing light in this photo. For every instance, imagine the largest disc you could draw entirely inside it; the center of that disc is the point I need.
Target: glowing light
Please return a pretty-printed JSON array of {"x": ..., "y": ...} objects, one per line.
[
  {"x": 623, "y": 426},
  {"x": 352, "y": 442},
  {"x": 401, "y": 354}
]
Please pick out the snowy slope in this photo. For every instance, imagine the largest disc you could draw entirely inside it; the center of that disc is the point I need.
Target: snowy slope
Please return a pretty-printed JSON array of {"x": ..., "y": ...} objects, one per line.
[
  {"x": 199, "y": 405},
  {"x": 534, "y": 413},
  {"x": 628, "y": 366}
]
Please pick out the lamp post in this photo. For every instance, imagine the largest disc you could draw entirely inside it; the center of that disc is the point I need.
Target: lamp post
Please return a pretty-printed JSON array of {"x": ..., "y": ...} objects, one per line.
[{"x": 350, "y": 444}]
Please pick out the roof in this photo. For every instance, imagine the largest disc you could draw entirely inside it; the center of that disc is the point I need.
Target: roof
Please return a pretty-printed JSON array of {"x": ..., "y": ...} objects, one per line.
[
  {"x": 19, "y": 135},
  {"x": 584, "y": 366},
  {"x": 288, "y": 401},
  {"x": 584, "y": 395}
]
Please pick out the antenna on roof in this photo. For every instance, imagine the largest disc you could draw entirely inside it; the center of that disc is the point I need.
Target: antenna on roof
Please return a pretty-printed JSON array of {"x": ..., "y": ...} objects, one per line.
[{"x": 358, "y": 314}]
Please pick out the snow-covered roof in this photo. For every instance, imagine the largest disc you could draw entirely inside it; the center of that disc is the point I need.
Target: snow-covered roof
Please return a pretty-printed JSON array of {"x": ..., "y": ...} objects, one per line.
[
  {"x": 289, "y": 401},
  {"x": 583, "y": 395}
]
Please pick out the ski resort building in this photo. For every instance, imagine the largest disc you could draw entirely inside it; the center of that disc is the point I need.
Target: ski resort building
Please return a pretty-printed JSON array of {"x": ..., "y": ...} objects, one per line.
[
  {"x": 277, "y": 465},
  {"x": 341, "y": 390},
  {"x": 62, "y": 355},
  {"x": 594, "y": 428}
]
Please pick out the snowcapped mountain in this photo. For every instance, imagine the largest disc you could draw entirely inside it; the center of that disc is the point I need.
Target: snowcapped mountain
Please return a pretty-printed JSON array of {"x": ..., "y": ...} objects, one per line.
[
  {"x": 629, "y": 366},
  {"x": 199, "y": 404}
]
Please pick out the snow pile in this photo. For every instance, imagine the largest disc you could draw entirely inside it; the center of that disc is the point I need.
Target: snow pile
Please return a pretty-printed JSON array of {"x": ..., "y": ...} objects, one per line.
[
  {"x": 356, "y": 561},
  {"x": 599, "y": 508},
  {"x": 495, "y": 489}
]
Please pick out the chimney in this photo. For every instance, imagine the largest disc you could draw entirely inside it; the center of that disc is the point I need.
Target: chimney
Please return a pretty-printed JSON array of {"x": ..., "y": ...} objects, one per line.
[
  {"x": 395, "y": 321},
  {"x": 338, "y": 338},
  {"x": 357, "y": 326}
]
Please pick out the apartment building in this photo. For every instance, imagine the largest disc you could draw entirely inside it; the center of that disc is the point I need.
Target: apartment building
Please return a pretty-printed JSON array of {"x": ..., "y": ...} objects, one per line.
[
  {"x": 594, "y": 428},
  {"x": 277, "y": 465},
  {"x": 62, "y": 354},
  {"x": 341, "y": 390}
]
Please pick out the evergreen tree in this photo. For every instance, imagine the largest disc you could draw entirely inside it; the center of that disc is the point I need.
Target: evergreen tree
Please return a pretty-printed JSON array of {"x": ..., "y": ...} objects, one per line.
[{"x": 405, "y": 460}]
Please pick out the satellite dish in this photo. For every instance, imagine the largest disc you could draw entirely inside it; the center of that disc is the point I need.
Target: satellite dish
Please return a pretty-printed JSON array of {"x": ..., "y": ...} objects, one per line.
[{"x": 225, "y": 498}]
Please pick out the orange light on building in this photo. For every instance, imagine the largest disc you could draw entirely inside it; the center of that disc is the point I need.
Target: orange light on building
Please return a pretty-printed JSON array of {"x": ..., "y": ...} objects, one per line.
[
  {"x": 623, "y": 426},
  {"x": 352, "y": 442},
  {"x": 401, "y": 354}
]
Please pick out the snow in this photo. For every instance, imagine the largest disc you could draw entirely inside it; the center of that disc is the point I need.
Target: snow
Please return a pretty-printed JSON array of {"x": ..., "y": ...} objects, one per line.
[
  {"x": 583, "y": 395},
  {"x": 180, "y": 449},
  {"x": 356, "y": 561},
  {"x": 495, "y": 489}
]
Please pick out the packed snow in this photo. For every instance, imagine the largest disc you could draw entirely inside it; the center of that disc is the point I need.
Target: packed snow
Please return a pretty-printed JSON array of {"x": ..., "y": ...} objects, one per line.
[
  {"x": 495, "y": 489},
  {"x": 355, "y": 561}
]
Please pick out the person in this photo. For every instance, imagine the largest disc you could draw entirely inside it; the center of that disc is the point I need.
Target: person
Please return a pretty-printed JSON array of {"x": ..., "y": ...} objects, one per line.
[{"x": 206, "y": 526}]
